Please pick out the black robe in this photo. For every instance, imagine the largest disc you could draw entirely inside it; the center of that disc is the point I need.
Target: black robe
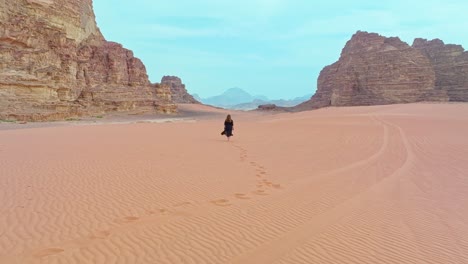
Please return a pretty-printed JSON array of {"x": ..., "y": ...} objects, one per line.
[{"x": 228, "y": 126}]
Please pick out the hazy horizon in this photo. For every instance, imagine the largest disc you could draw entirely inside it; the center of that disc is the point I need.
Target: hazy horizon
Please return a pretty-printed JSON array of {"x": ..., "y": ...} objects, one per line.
[
  {"x": 240, "y": 89},
  {"x": 274, "y": 48}
]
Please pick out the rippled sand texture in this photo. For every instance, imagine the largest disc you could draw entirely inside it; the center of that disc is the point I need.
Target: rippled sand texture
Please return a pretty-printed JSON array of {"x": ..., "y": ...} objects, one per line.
[{"x": 384, "y": 184}]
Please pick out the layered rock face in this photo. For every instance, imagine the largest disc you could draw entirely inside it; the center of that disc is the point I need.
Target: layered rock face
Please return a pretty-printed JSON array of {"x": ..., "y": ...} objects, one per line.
[
  {"x": 373, "y": 70},
  {"x": 450, "y": 64},
  {"x": 56, "y": 64},
  {"x": 178, "y": 91},
  {"x": 162, "y": 97}
]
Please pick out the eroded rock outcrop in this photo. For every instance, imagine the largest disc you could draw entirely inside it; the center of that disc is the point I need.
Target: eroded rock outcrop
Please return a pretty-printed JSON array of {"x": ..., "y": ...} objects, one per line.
[
  {"x": 450, "y": 64},
  {"x": 373, "y": 70},
  {"x": 178, "y": 91},
  {"x": 162, "y": 97},
  {"x": 55, "y": 64}
]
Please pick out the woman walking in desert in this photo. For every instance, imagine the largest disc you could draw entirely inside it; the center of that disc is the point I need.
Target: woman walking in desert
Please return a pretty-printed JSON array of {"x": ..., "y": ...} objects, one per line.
[{"x": 228, "y": 127}]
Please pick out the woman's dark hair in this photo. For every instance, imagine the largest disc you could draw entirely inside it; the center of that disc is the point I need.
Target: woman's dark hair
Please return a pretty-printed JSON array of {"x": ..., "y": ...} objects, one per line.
[{"x": 228, "y": 118}]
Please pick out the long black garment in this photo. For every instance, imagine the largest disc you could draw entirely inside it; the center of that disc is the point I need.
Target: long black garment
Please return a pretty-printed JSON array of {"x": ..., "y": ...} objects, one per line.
[{"x": 228, "y": 126}]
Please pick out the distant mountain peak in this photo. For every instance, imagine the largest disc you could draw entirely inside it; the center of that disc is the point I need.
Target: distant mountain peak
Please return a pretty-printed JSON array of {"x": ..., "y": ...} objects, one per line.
[
  {"x": 231, "y": 96},
  {"x": 237, "y": 98},
  {"x": 235, "y": 89}
]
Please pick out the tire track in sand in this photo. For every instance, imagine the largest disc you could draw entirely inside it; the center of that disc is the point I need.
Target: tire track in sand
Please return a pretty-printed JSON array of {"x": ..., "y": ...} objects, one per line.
[{"x": 273, "y": 250}]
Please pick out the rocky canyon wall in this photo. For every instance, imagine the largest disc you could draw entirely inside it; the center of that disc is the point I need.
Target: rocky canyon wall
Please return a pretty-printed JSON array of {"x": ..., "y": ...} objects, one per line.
[
  {"x": 450, "y": 64},
  {"x": 373, "y": 70},
  {"x": 55, "y": 63}
]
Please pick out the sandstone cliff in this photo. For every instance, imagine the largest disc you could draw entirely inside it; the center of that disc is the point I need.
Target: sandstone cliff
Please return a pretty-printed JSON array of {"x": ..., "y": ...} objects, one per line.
[
  {"x": 55, "y": 63},
  {"x": 373, "y": 69},
  {"x": 450, "y": 64},
  {"x": 178, "y": 91}
]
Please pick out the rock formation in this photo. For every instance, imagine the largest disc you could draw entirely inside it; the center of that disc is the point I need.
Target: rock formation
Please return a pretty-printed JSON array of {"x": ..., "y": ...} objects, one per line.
[
  {"x": 178, "y": 91},
  {"x": 373, "y": 69},
  {"x": 56, "y": 64},
  {"x": 162, "y": 96},
  {"x": 450, "y": 64},
  {"x": 267, "y": 107}
]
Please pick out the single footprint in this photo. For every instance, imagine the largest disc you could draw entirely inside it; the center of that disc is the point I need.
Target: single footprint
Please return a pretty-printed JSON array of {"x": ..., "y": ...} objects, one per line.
[
  {"x": 221, "y": 202},
  {"x": 100, "y": 234},
  {"x": 267, "y": 182},
  {"x": 260, "y": 192},
  {"x": 163, "y": 211},
  {"x": 241, "y": 196},
  {"x": 48, "y": 251},
  {"x": 276, "y": 186},
  {"x": 127, "y": 219}
]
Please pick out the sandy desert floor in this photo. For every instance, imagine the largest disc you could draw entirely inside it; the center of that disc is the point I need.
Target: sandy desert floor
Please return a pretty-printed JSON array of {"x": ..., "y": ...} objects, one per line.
[{"x": 381, "y": 184}]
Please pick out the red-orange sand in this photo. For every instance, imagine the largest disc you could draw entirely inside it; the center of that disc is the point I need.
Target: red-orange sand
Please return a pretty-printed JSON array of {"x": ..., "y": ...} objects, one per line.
[{"x": 382, "y": 184}]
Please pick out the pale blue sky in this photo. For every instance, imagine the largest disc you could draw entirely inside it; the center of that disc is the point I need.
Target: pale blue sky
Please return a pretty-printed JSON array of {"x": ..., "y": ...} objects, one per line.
[{"x": 270, "y": 47}]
